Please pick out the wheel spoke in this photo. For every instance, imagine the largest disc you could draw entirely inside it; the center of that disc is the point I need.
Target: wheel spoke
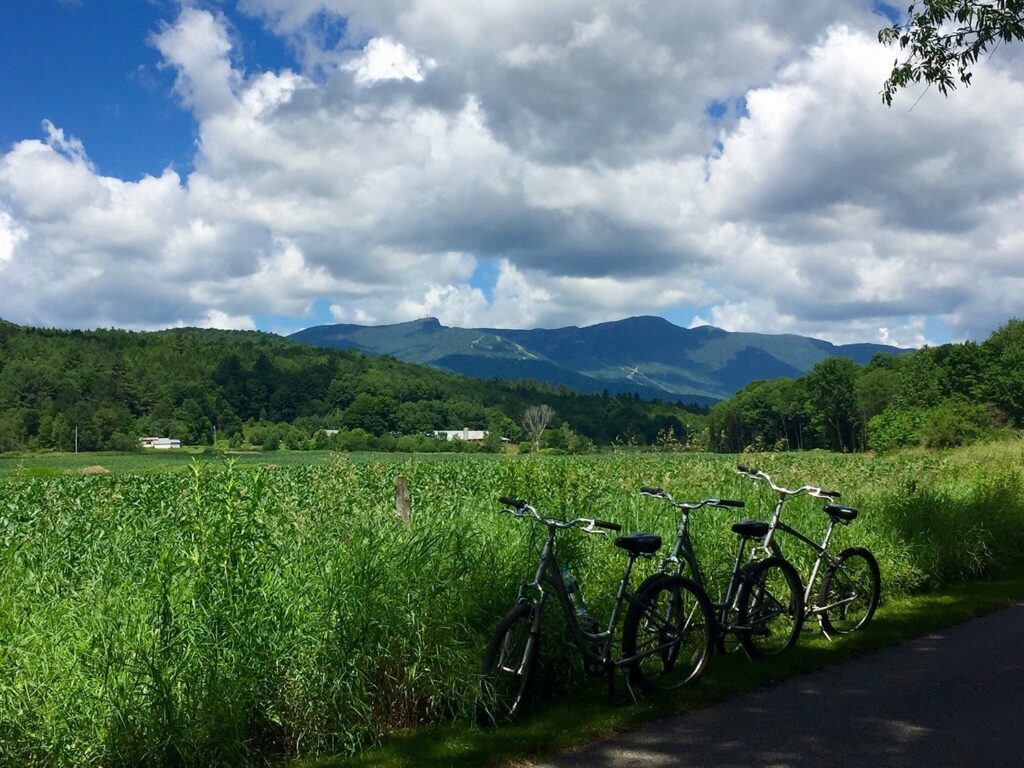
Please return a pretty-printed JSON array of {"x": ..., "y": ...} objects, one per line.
[
  {"x": 668, "y": 633},
  {"x": 849, "y": 592}
]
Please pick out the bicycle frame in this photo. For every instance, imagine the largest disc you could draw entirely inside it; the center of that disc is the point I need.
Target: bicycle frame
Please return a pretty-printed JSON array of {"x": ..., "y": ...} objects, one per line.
[
  {"x": 682, "y": 551},
  {"x": 596, "y": 647},
  {"x": 769, "y": 544}
]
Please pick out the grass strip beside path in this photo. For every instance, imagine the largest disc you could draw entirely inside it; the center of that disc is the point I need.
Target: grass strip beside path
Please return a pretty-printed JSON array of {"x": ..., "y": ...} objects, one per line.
[{"x": 578, "y": 719}]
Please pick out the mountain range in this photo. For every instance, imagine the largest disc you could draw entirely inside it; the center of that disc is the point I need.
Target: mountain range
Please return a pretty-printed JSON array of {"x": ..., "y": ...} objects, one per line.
[{"x": 648, "y": 356}]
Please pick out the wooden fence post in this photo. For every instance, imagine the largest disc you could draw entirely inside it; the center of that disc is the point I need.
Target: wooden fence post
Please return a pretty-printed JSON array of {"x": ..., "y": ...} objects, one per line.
[{"x": 403, "y": 499}]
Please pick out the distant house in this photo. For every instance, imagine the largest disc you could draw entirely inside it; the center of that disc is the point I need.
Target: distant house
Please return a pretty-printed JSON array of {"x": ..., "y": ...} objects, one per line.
[
  {"x": 159, "y": 443},
  {"x": 466, "y": 434}
]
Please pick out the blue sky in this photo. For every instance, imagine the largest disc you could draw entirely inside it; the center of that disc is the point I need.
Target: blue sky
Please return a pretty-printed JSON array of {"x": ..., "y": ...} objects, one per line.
[
  {"x": 278, "y": 164},
  {"x": 89, "y": 65}
]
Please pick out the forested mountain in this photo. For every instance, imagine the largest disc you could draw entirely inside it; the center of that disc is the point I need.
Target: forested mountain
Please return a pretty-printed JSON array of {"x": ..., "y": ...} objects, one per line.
[
  {"x": 115, "y": 386},
  {"x": 937, "y": 396},
  {"x": 262, "y": 389},
  {"x": 645, "y": 355}
]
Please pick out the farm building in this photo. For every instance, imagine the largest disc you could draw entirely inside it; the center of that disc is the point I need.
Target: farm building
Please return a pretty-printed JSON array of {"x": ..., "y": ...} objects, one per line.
[
  {"x": 159, "y": 443},
  {"x": 469, "y": 435}
]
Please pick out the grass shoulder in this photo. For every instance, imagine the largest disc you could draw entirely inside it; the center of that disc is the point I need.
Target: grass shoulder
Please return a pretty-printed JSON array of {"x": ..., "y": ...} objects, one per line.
[{"x": 586, "y": 716}]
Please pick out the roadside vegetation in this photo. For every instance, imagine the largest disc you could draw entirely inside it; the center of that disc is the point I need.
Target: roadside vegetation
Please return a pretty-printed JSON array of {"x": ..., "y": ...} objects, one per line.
[{"x": 222, "y": 614}]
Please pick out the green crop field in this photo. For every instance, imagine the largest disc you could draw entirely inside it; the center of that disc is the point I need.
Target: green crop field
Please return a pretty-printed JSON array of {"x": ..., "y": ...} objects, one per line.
[
  {"x": 226, "y": 614},
  {"x": 106, "y": 462}
]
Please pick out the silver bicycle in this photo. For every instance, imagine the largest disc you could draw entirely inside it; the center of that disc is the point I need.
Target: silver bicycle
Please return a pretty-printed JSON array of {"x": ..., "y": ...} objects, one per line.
[{"x": 850, "y": 584}]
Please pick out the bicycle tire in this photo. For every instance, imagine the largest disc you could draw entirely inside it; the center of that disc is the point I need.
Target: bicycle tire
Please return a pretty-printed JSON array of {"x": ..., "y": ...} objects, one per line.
[
  {"x": 508, "y": 662},
  {"x": 671, "y": 625},
  {"x": 771, "y": 604},
  {"x": 855, "y": 581}
]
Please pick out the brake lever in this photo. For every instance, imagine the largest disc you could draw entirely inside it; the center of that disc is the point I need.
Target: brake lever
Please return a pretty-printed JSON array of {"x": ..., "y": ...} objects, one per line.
[{"x": 592, "y": 530}]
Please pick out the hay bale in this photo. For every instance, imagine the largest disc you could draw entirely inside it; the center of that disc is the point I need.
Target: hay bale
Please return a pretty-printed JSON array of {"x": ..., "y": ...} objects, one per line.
[{"x": 95, "y": 469}]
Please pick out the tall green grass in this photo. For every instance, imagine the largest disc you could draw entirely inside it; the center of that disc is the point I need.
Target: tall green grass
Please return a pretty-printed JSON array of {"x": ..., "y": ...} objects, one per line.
[{"x": 226, "y": 616}]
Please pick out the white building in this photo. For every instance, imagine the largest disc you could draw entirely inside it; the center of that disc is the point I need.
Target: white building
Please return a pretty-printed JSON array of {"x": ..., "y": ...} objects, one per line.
[
  {"x": 159, "y": 443},
  {"x": 469, "y": 435}
]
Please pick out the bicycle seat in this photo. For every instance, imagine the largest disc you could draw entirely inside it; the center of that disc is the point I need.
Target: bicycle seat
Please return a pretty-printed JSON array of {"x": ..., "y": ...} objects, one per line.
[
  {"x": 639, "y": 543},
  {"x": 750, "y": 529},
  {"x": 840, "y": 513}
]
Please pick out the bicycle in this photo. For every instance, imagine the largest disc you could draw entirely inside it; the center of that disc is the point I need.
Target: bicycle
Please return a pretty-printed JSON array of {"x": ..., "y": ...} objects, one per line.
[
  {"x": 851, "y": 586},
  {"x": 762, "y": 605},
  {"x": 512, "y": 650}
]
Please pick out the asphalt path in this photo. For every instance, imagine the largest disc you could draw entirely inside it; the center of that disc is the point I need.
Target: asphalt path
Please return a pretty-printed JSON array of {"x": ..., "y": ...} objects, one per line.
[{"x": 954, "y": 698}]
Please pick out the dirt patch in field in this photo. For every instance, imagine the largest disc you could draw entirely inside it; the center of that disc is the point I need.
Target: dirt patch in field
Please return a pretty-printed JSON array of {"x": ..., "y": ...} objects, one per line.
[{"x": 95, "y": 469}]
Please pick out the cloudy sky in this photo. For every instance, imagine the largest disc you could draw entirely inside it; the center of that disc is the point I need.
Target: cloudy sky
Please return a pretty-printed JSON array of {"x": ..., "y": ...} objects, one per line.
[{"x": 519, "y": 163}]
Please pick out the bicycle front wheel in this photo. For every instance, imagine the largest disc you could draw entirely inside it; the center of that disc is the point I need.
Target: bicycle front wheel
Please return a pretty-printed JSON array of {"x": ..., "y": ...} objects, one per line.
[
  {"x": 670, "y": 628},
  {"x": 850, "y": 591},
  {"x": 508, "y": 662},
  {"x": 771, "y": 608}
]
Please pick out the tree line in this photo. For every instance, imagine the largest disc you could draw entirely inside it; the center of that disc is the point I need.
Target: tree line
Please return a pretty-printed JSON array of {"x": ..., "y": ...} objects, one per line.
[
  {"x": 936, "y": 396},
  {"x": 107, "y": 388}
]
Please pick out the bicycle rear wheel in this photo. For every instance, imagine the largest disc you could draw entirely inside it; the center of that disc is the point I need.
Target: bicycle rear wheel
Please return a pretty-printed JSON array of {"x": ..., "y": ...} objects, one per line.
[
  {"x": 670, "y": 625},
  {"x": 508, "y": 662},
  {"x": 771, "y": 607},
  {"x": 850, "y": 591}
]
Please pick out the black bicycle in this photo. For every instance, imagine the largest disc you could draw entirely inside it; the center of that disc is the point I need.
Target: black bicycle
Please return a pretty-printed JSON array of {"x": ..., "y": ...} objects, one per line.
[
  {"x": 679, "y": 642},
  {"x": 762, "y": 605},
  {"x": 851, "y": 585}
]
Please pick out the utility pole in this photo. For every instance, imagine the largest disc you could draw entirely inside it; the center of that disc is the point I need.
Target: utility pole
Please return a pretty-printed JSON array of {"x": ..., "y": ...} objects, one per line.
[{"x": 76, "y": 438}]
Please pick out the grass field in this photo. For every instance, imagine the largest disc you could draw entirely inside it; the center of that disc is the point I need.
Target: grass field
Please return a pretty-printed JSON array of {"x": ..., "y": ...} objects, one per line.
[
  {"x": 229, "y": 614},
  {"x": 44, "y": 464}
]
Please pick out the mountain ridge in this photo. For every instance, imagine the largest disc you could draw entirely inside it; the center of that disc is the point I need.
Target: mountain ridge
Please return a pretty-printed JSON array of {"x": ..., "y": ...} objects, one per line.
[{"x": 646, "y": 355}]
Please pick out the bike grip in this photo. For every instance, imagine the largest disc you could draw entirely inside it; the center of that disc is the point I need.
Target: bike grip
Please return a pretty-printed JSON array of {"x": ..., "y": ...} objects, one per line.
[
  {"x": 509, "y": 502},
  {"x": 730, "y": 503},
  {"x": 606, "y": 524},
  {"x": 830, "y": 494},
  {"x": 746, "y": 470},
  {"x": 651, "y": 491}
]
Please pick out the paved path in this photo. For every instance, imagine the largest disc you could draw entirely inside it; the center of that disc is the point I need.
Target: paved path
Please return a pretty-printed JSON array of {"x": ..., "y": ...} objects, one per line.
[{"x": 955, "y": 698}]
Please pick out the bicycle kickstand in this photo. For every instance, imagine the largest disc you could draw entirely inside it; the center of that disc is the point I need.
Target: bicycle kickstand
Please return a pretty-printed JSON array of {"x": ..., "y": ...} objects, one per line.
[{"x": 613, "y": 697}]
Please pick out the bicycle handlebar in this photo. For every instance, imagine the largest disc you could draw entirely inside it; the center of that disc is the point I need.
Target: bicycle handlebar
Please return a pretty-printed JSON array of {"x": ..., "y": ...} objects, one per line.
[
  {"x": 660, "y": 493},
  {"x": 810, "y": 490},
  {"x": 519, "y": 508}
]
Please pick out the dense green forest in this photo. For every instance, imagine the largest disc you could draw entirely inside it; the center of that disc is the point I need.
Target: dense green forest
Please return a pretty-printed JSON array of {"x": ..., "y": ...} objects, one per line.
[
  {"x": 260, "y": 389},
  {"x": 937, "y": 397}
]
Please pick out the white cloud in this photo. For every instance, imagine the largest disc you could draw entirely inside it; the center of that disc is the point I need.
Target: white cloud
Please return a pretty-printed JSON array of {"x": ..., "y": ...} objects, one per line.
[
  {"x": 568, "y": 144},
  {"x": 11, "y": 235},
  {"x": 214, "y": 318},
  {"x": 197, "y": 45},
  {"x": 385, "y": 59}
]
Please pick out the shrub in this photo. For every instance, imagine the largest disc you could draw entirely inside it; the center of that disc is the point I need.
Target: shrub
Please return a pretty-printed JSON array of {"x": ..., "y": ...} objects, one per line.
[{"x": 954, "y": 422}]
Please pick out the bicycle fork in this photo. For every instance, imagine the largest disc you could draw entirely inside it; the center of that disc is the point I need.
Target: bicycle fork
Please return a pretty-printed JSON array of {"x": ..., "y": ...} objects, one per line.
[{"x": 728, "y": 606}]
